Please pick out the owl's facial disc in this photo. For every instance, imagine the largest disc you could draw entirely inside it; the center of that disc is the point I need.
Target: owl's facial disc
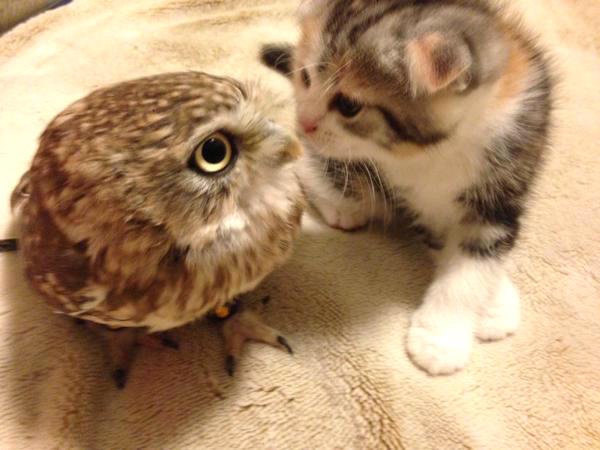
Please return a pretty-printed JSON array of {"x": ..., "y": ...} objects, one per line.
[{"x": 215, "y": 155}]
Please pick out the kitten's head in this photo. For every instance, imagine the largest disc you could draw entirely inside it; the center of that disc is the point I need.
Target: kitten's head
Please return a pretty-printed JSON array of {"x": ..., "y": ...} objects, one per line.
[{"x": 395, "y": 76}]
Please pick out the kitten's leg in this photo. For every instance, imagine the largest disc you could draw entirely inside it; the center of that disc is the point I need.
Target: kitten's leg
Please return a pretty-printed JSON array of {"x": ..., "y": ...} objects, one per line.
[
  {"x": 343, "y": 213},
  {"x": 345, "y": 194},
  {"x": 470, "y": 294},
  {"x": 441, "y": 331},
  {"x": 499, "y": 317}
]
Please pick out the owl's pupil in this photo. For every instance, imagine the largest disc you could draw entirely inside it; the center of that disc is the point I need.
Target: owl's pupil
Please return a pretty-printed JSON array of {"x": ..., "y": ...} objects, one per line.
[{"x": 214, "y": 151}]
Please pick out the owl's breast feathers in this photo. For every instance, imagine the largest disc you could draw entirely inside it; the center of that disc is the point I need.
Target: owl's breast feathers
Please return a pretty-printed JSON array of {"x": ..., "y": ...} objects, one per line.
[{"x": 132, "y": 274}]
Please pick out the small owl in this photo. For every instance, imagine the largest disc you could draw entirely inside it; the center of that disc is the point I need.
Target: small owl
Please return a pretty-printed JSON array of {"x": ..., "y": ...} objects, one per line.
[{"x": 155, "y": 201}]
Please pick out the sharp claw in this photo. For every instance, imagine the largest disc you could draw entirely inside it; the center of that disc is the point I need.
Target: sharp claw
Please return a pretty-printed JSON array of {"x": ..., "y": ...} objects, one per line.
[
  {"x": 170, "y": 343},
  {"x": 120, "y": 377},
  {"x": 230, "y": 365},
  {"x": 283, "y": 341}
]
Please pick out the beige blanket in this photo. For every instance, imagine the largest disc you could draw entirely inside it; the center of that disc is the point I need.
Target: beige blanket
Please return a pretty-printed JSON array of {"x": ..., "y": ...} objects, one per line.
[{"x": 343, "y": 300}]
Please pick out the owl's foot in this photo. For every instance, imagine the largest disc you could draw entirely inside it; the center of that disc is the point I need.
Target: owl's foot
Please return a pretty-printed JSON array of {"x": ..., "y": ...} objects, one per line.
[
  {"x": 157, "y": 341},
  {"x": 244, "y": 326},
  {"x": 122, "y": 344}
]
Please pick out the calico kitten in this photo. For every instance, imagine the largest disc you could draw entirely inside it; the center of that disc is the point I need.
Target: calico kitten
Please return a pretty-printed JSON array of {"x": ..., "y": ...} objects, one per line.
[{"x": 437, "y": 111}]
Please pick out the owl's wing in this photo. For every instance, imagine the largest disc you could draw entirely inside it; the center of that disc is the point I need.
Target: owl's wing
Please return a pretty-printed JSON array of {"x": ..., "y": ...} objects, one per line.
[
  {"x": 58, "y": 268},
  {"x": 116, "y": 276}
]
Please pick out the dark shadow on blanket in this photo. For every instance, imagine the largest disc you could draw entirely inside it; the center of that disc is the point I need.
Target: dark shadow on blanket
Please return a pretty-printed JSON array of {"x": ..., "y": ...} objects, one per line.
[{"x": 56, "y": 362}]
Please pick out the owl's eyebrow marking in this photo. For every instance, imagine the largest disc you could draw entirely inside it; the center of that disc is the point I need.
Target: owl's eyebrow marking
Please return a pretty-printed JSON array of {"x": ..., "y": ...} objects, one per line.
[
  {"x": 240, "y": 86},
  {"x": 237, "y": 84},
  {"x": 9, "y": 245}
]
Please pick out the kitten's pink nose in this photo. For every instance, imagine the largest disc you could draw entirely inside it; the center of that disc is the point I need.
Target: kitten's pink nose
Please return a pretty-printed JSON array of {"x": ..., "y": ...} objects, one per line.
[{"x": 309, "y": 125}]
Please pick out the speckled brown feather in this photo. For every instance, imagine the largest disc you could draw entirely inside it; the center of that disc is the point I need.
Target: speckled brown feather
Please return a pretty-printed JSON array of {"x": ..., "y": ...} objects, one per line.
[{"x": 118, "y": 230}]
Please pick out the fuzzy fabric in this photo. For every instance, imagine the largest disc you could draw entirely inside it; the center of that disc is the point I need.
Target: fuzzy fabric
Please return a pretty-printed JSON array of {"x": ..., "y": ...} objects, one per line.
[{"x": 344, "y": 300}]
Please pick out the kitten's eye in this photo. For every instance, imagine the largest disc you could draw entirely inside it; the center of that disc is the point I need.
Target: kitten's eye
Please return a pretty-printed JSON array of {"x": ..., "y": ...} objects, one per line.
[
  {"x": 214, "y": 154},
  {"x": 346, "y": 106},
  {"x": 305, "y": 78}
]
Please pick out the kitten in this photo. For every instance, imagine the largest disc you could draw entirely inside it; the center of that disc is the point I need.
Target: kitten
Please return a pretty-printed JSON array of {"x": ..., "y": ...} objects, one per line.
[{"x": 437, "y": 111}]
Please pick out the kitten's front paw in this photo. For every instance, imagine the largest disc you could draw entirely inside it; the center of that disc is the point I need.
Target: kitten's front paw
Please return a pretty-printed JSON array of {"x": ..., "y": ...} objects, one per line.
[
  {"x": 437, "y": 344},
  {"x": 500, "y": 317},
  {"x": 349, "y": 219}
]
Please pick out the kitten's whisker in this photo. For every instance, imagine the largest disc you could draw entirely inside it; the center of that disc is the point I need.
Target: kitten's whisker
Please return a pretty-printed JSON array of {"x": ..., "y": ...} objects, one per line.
[
  {"x": 326, "y": 167},
  {"x": 384, "y": 193},
  {"x": 370, "y": 186},
  {"x": 326, "y": 90},
  {"x": 307, "y": 66},
  {"x": 373, "y": 187},
  {"x": 372, "y": 190},
  {"x": 332, "y": 80},
  {"x": 346, "y": 178}
]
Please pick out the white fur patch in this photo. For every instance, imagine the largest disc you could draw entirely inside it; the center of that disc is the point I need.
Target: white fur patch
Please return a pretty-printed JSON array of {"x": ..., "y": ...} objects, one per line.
[
  {"x": 499, "y": 317},
  {"x": 468, "y": 295}
]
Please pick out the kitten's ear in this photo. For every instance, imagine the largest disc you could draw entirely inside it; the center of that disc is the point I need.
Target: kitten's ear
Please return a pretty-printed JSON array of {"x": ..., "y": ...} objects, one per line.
[{"x": 435, "y": 62}]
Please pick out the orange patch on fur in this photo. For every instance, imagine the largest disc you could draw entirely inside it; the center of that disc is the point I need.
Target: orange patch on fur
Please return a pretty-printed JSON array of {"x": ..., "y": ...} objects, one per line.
[
  {"x": 512, "y": 81},
  {"x": 294, "y": 149},
  {"x": 407, "y": 150}
]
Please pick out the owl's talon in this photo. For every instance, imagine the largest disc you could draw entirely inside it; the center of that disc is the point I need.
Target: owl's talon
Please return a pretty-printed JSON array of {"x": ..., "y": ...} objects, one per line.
[
  {"x": 120, "y": 377},
  {"x": 283, "y": 342},
  {"x": 230, "y": 365},
  {"x": 169, "y": 342},
  {"x": 157, "y": 341},
  {"x": 122, "y": 343},
  {"x": 245, "y": 326}
]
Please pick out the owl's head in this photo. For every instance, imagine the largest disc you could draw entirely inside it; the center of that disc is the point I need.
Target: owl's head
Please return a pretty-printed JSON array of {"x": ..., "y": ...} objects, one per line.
[{"x": 200, "y": 156}]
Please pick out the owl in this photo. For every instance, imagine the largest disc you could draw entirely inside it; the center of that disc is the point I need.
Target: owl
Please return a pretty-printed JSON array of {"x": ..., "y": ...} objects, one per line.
[{"x": 154, "y": 202}]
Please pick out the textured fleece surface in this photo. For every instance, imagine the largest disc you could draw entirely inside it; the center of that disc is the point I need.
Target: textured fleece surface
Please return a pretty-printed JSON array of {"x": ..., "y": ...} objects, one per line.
[{"x": 344, "y": 300}]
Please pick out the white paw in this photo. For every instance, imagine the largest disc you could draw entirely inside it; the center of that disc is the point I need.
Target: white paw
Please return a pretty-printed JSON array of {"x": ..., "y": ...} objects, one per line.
[
  {"x": 348, "y": 219},
  {"x": 500, "y": 317},
  {"x": 437, "y": 344}
]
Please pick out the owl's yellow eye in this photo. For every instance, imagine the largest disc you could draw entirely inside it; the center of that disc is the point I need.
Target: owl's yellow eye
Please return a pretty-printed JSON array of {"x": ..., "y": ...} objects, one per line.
[{"x": 214, "y": 154}]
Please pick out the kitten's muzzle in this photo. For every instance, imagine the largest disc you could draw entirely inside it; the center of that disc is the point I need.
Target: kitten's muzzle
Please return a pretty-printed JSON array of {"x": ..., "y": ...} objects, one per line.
[{"x": 308, "y": 126}]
